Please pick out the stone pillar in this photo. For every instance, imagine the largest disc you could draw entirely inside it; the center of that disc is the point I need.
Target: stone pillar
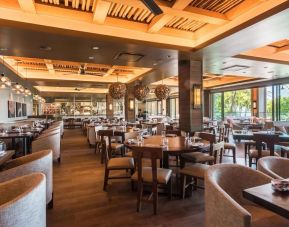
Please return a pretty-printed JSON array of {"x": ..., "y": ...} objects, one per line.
[
  {"x": 190, "y": 74},
  {"x": 207, "y": 104},
  {"x": 109, "y": 107},
  {"x": 129, "y": 99}
]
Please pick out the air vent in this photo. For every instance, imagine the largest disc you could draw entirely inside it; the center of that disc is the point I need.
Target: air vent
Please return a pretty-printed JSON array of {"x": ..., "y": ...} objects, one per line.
[
  {"x": 236, "y": 68},
  {"x": 128, "y": 57}
]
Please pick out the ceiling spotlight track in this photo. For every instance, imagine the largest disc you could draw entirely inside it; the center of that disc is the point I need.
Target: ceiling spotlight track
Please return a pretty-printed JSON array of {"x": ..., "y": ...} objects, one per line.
[{"x": 152, "y": 6}]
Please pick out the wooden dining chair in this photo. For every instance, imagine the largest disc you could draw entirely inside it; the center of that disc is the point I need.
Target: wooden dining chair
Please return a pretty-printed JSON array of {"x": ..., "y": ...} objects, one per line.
[
  {"x": 111, "y": 146},
  {"x": 116, "y": 163},
  {"x": 224, "y": 131},
  {"x": 192, "y": 173},
  {"x": 201, "y": 157},
  {"x": 153, "y": 175},
  {"x": 270, "y": 140}
]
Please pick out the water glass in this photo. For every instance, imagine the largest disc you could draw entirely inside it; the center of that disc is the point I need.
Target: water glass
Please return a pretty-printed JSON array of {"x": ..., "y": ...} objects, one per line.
[
  {"x": 163, "y": 134},
  {"x": 165, "y": 142}
]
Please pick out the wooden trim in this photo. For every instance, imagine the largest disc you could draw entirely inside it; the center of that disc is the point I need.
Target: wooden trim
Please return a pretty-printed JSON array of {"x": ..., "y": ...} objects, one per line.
[{"x": 27, "y": 6}]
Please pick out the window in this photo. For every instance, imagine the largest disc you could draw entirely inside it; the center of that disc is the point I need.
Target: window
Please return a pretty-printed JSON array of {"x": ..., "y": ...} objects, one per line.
[
  {"x": 284, "y": 102},
  {"x": 217, "y": 106},
  {"x": 237, "y": 103},
  {"x": 174, "y": 108},
  {"x": 118, "y": 108},
  {"x": 268, "y": 102}
]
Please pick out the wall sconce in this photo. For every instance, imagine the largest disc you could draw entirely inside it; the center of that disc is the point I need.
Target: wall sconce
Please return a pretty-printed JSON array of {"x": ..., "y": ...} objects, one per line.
[
  {"x": 131, "y": 104},
  {"x": 197, "y": 96},
  {"x": 110, "y": 106},
  {"x": 254, "y": 105}
]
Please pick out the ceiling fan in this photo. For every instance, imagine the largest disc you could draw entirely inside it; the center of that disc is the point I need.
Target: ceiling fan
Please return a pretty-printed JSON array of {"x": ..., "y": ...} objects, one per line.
[{"x": 152, "y": 6}]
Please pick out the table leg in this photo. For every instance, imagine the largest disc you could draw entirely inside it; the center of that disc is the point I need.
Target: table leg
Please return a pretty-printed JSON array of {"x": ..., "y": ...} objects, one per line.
[{"x": 25, "y": 145}]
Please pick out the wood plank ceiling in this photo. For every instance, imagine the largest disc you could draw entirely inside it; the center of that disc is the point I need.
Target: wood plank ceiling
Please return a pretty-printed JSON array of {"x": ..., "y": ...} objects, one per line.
[{"x": 184, "y": 23}]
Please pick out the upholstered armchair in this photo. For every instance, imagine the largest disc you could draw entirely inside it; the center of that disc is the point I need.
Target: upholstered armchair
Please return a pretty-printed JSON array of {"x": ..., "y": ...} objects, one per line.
[
  {"x": 22, "y": 201},
  {"x": 50, "y": 141},
  {"x": 275, "y": 167},
  {"x": 224, "y": 203},
  {"x": 40, "y": 161}
]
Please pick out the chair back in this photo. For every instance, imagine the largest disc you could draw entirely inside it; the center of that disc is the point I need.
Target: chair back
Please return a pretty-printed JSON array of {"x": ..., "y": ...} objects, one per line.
[
  {"x": 269, "y": 139},
  {"x": 175, "y": 132},
  {"x": 223, "y": 132},
  {"x": 224, "y": 200},
  {"x": 105, "y": 139},
  {"x": 152, "y": 153},
  {"x": 275, "y": 167},
  {"x": 160, "y": 128}
]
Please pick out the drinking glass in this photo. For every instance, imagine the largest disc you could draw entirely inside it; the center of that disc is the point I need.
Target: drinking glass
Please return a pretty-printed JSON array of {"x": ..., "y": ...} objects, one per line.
[
  {"x": 163, "y": 134},
  {"x": 165, "y": 142}
]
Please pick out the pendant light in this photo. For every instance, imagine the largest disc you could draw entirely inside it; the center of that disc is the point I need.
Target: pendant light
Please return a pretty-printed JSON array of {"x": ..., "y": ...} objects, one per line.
[{"x": 117, "y": 90}]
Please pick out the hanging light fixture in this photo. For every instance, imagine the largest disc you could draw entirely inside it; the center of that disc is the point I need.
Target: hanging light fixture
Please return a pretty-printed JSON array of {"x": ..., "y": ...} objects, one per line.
[
  {"x": 162, "y": 91},
  {"x": 117, "y": 90},
  {"x": 141, "y": 92},
  {"x": 4, "y": 80}
]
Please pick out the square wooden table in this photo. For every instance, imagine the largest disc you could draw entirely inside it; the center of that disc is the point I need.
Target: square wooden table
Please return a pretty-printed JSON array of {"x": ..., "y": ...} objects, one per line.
[{"x": 266, "y": 197}]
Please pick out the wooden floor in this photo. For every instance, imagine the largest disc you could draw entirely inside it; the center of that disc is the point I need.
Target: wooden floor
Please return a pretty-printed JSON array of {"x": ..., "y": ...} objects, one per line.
[{"x": 80, "y": 201}]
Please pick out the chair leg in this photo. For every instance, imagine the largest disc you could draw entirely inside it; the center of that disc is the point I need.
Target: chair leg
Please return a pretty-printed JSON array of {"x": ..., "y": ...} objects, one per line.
[
  {"x": 234, "y": 155},
  {"x": 183, "y": 186},
  {"x": 250, "y": 162},
  {"x": 139, "y": 195},
  {"x": 155, "y": 198},
  {"x": 105, "y": 179},
  {"x": 195, "y": 183},
  {"x": 59, "y": 160},
  {"x": 170, "y": 185},
  {"x": 221, "y": 155}
]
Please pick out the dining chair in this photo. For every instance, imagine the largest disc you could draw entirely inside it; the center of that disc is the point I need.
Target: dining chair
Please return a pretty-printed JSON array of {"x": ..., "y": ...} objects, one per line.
[
  {"x": 111, "y": 145},
  {"x": 210, "y": 157},
  {"x": 116, "y": 163},
  {"x": 224, "y": 131},
  {"x": 22, "y": 201},
  {"x": 270, "y": 140},
  {"x": 40, "y": 161},
  {"x": 275, "y": 167},
  {"x": 224, "y": 202},
  {"x": 196, "y": 171},
  {"x": 97, "y": 146},
  {"x": 173, "y": 132},
  {"x": 152, "y": 176}
]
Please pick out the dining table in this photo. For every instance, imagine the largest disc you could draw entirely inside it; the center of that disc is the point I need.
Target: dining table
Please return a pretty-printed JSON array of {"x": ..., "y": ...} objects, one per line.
[
  {"x": 26, "y": 136},
  {"x": 249, "y": 135},
  {"x": 265, "y": 196},
  {"x": 177, "y": 145}
]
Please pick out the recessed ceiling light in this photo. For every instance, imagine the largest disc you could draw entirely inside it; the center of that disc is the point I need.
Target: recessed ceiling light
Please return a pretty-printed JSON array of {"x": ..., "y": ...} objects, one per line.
[
  {"x": 155, "y": 63},
  {"x": 95, "y": 48},
  {"x": 90, "y": 57},
  {"x": 46, "y": 48},
  {"x": 3, "y": 49}
]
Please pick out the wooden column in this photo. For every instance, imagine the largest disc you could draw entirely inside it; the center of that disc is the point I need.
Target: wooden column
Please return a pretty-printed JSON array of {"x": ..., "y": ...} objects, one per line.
[
  {"x": 129, "y": 113},
  {"x": 190, "y": 73},
  {"x": 254, "y": 95},
  {"x": 109, "y": 107},
  {"x": 207, "y": 104},
  {"x": 168, "y": 110}
]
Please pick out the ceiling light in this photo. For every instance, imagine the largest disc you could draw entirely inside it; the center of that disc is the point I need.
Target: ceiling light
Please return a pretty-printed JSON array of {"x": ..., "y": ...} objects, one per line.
[
  {"x": 90, "y": 57},
  {"x": 95, "y": 48},
  {"x": 3, "y": 86},
  {"x": 3, "y": 49},
  {"x": 155, "y": 64}
]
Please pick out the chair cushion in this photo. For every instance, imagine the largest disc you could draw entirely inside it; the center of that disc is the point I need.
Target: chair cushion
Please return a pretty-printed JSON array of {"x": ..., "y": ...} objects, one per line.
[
  {"x": 253, "y": 153},
  {"x": 229, "y": 146},
  {"x": 120, "y": 163},
  {"x": 129, "y": 154},
  {"x": 195, "y": 170},
  {"x": 116, "y": 146},
  {"x": 163, "y": 175},
  {"x": 198, "y": 157},
  {"x": 262, "y": 217}
]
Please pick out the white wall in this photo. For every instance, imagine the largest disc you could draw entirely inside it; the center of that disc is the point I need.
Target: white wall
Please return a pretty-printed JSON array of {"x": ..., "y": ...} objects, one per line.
[{"x": 7, "y": 94}]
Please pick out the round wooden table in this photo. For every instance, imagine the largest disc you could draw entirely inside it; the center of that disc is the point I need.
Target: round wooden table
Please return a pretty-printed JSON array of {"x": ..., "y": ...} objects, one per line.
[{"x": 176, "y": 146}]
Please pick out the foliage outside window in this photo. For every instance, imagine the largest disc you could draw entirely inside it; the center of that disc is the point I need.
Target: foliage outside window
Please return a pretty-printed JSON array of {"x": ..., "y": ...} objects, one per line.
[
  {"x": 217, "y": 106},
  {"x": 284, "y": 102}
]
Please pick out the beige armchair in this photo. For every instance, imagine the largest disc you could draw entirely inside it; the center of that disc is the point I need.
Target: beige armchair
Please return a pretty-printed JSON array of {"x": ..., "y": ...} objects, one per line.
[
  {"x": 275, "y": 167},
  {"x": 22, "y": 201},
  {"x": 224, "y": 203},
  {"x": 51, "y": 141},
  {"x": 40, "y": 161}
]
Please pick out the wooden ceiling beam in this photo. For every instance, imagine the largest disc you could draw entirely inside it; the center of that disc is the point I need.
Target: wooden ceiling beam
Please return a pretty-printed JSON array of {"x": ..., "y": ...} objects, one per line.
[
  {"x": 100, "y": 11},
  {"x": 27, "y": 6},
  {"x": 161, "y": 20},
  {"x": 190, "y": 12}
]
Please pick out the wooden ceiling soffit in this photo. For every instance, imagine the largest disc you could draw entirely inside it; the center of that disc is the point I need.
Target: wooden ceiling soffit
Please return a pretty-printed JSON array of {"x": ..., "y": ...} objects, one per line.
[{"x": 184, "y": 23}]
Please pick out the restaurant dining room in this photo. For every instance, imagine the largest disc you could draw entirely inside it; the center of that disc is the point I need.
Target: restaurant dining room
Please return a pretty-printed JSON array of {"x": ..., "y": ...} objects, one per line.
[{"x": 144, "y": 113}]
